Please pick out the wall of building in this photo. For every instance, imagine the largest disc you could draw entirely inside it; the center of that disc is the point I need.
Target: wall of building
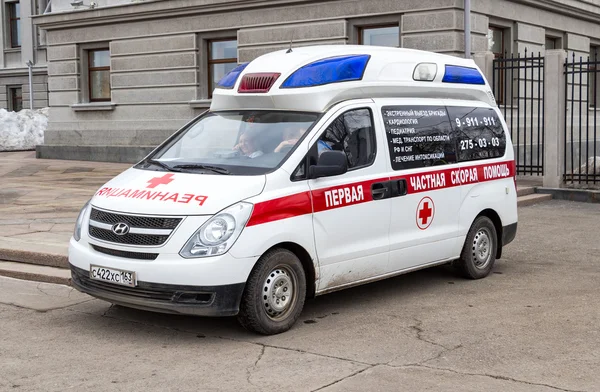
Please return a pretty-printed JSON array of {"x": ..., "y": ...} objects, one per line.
[
  {"x": 158, "y": 53},
  {"x": 13, "y": 69}
]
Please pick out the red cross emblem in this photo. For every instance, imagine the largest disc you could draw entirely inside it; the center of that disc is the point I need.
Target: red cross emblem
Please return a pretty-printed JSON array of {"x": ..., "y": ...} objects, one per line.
[
  {"x": 425, "y": 213},
  {"x": 164, "y": 180}
]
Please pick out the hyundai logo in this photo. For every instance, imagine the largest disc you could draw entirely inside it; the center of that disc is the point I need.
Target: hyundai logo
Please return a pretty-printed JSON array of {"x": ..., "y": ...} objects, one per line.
[{"x": 120, "y": 228}]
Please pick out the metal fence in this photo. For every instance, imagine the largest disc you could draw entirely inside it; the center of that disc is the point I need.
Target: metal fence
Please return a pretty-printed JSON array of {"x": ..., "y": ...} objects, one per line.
[
  {"x": 581, "y": 136},
  {"x": 518, "y": 85}
]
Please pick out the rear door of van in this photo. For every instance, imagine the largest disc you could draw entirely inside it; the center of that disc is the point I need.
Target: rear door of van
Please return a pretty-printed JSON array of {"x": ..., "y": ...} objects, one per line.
[
  {"x": 486, "y": 161},
  {"x": 420, "y": 152}
]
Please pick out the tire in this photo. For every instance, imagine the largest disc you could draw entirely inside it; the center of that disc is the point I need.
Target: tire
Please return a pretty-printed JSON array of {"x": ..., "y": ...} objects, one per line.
[
  {"x": 265, "y": 308},
  {"x": 479, "y": 252}
]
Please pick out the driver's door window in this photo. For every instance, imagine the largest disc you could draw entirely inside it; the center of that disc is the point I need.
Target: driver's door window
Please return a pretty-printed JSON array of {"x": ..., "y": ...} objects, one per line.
[{"x": 352, "y": 133}]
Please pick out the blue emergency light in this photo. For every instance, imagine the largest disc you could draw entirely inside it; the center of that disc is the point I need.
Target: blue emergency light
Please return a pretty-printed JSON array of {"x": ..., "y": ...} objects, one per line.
[
  {"x": 228, "y": 81},
  {"x": 464, "y": 75},
  {"x": 330, "y": 70}
]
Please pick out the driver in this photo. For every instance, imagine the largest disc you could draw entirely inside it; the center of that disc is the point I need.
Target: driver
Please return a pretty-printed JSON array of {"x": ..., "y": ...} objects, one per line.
[{"x": 247, "y": 145}]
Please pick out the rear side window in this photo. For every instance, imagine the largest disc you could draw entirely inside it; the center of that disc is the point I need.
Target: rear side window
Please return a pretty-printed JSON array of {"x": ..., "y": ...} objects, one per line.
[
  {"x": 418, "y": 136},
  {"x": 478, "y": 133}
]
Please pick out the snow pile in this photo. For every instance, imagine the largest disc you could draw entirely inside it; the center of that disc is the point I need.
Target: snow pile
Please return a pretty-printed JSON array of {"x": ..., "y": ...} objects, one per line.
[
  {"x": 592, "y": 166},
  {"x": 22, "y": 130}
]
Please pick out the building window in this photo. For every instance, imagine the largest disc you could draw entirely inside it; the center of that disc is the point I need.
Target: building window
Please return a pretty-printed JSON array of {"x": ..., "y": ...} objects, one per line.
[
  {"x": 496, "y": 41},
  {"x": 99, "y": 75},
  {"x": 496, "y": 38},
  {"x": 380, "y": 36},
  {"x": 15, "y": 98},
  {"x": 13, "y": 13},
  {"x": 593, "y": 87},
  {"x": 551, "y": 43},
  {"x": 222, "y": 58}
]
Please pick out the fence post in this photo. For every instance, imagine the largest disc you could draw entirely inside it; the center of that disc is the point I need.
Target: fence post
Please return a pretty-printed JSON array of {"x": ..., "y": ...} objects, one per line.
[
  {"x": 554, "y": 117},
  {"x": 485, "y": 62}
]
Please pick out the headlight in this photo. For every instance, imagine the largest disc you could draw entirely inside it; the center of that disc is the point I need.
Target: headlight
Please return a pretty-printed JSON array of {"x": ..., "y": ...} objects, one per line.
[
  {"x": 79, "y": 222},
  {"x": 219, "y": 233}
]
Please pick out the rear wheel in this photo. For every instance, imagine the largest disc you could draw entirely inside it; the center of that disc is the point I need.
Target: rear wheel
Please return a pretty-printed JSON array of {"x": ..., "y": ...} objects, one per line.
[
  {"x": 274, "y": 295},
  {"x": 479, "y": 252}
]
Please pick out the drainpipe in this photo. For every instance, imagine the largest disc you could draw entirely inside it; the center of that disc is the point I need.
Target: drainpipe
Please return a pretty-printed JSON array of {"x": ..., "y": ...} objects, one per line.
[
  {"x": 30, "y": 65},
  {"x": 467, "y": 29}
]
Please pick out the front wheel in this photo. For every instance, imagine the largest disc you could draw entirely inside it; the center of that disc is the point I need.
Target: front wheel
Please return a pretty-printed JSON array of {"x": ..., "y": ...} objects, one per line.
[
  {"x": 274, "y": 295},
  {"x": 479, "y": 252}
]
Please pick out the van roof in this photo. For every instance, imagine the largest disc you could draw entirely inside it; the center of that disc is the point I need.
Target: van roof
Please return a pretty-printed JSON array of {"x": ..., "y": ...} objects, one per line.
[{"x": 314, "y": 78}]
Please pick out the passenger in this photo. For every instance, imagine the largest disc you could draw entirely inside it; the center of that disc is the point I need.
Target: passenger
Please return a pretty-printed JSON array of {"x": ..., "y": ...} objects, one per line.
[
  {"x": 290, "y": 138},
  {"x": 247, "y": 145}
]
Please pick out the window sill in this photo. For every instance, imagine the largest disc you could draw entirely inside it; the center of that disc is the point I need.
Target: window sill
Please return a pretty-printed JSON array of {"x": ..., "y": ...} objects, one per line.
[
  {"x": 201, "y": 103},
  {"x": 12, "y": 50},
  {"x": 93, "y": 106}
]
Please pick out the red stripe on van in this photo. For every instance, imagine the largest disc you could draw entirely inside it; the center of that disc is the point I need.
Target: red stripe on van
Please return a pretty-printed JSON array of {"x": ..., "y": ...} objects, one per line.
[
  {"x": 281, "y": 208},
  {"x": 465, "y": 175},
  {"x": 344, "y": 195}
]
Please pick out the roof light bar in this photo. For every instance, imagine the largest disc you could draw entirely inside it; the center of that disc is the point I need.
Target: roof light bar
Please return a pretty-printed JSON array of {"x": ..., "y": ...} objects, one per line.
[
  {"x": 329, "y": 70},
  {"x": 228, "y": 81},
  {"x": 464, "y": 75},
  {"x": 258, "y": 82}
]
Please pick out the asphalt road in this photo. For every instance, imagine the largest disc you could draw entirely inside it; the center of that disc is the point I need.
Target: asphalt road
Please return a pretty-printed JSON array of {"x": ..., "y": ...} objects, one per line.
[{"x": 532, "y": 325}]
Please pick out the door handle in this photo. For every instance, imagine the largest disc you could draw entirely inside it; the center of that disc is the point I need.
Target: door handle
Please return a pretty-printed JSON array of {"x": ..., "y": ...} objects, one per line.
[
  {"x": 399, "y": 187},
  {"x": 379, "y": 190}
]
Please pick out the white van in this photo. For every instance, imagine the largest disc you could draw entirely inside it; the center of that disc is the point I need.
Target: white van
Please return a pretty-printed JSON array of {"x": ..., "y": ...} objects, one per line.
[{"x": 315, "y": 169}]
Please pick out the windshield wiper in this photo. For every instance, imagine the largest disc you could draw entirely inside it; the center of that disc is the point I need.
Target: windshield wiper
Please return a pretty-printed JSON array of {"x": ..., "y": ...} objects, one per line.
[
  {"x": 161, "y": 164},
  {"x": 215, "y": 169}
]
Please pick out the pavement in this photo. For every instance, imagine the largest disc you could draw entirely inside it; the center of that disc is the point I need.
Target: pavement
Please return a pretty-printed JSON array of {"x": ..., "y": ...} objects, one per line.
[
  {"x": 532, "y": 325},
  {"x": 40, "y": 201}
]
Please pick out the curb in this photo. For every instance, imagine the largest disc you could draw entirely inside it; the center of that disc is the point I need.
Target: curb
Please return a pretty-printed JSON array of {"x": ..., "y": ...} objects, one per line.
[
  {"x": 580, "y": 195},
  {"x": 531, "y": 199},
  {"x": 37, "y": 258},
  {"x": 35, "y": 277}
]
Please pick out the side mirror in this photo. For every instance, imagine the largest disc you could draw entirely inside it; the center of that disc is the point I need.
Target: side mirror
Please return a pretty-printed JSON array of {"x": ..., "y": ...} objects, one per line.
[{"x": 331, "y": 163}]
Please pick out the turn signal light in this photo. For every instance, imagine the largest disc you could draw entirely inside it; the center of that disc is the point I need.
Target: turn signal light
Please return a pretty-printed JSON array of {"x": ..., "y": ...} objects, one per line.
[{"x": 257, "y": 82}]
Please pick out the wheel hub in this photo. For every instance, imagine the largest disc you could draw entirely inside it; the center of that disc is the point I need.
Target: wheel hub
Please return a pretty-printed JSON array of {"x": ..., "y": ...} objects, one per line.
[
  {"x": 482, "y": 248},
  {"x": 278, "y": 291}
]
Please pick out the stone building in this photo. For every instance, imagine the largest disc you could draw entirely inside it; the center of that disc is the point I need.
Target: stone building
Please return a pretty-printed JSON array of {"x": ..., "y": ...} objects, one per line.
[
  {"x": 123, "y": 74},
  {"x": 21, "y": 42}
]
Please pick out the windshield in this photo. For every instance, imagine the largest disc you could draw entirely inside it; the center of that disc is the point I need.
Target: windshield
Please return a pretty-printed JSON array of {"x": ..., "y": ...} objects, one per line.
[{"x": 235, "y": 142}]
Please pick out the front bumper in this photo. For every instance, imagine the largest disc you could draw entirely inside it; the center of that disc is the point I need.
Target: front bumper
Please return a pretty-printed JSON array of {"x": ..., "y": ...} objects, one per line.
[{"x": 165, "y": 298}]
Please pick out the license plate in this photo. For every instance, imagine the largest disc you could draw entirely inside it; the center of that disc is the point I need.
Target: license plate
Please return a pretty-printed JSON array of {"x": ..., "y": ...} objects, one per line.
[{"x": 112, "y": 275}]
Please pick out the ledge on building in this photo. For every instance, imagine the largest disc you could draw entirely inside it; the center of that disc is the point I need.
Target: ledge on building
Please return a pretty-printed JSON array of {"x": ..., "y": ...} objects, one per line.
[
  {"x": 200, "y": 103},
  {"x": 93, "y": 106},
  {"x": 121, "y": 154}
]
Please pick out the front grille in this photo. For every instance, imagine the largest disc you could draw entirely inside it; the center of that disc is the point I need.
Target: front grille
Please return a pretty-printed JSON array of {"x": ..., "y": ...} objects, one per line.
[
  {"x": 106, "y": 220},
  {"x": 134, "y": 221},
  {"x": 150, "y": 291},
  {"x": 129, "y": 239},
  {"x": 128, "y": 255}
]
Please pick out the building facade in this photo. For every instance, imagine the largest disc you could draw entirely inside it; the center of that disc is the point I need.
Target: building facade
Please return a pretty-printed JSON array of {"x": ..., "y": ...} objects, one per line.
[
  {"x": 22, "y": 42},
  {"x": 124, "y": 75}
]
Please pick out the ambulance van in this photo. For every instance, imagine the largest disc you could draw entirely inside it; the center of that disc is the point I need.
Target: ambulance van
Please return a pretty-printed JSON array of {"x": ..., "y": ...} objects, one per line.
[{"x": 315, "y": 169}]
